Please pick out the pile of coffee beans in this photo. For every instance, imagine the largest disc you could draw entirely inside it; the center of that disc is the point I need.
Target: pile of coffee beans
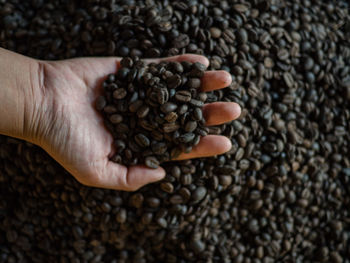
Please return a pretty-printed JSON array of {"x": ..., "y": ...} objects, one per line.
[
  {"x": 282, "y": 194},
  {"x": 154, "y": 111}
]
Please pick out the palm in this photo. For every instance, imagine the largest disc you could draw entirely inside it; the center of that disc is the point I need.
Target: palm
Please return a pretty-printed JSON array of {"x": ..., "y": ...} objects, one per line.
[{"x": 78, "y": 139}]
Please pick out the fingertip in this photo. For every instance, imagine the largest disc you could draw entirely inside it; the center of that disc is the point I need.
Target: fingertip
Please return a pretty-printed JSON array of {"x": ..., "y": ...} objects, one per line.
[
  {"x": 226, "y": 144},
  {"x": 159, "y": 174},
  {"x": 214, "y": 80},
  {"x": 226, "y": 78},
  {"x": 235, "y": 111}
]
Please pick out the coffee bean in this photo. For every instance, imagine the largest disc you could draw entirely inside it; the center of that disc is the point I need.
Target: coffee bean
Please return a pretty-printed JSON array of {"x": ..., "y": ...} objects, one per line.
[
  {"x": 168, "y": 107},
  {"x": 151, "y": 162},
  {"x": 194, "y": 83},
  {"x": 101, "y": 102},
  {"x": 116, "y": 118},
  {"x": 142, "y": 140},
  {"x": 197, "y": 70},
  {"x": 182, "y": 109},
  {"x": 199, "y": 194},
  {"x": 126, "y": 62},
  {"x": 110, "y": 109},
  {"x": 162, "y": 96},
  {"x": 171, "y": 117},
  {"x": 187, "y": 137},
  {"x": 190, "y": 126},
  {"x": 174, "y": 81},
  {"x": 170, "y": 127},
  {"x": 242, "y": 35},
  {"x": 215, "y": 32},
  {"x": 183, "y": 96},
  {"x": 159, "y": 148},
  {"x": 181, "y": 41},
  {"x": 143, "y": 111},
  {"x": 135, "y": 106},
  {"x": 196, "y": 103}
]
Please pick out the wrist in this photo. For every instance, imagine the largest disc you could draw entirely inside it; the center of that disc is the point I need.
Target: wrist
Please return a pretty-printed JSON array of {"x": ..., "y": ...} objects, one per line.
[{"x": 21, "y": 95}]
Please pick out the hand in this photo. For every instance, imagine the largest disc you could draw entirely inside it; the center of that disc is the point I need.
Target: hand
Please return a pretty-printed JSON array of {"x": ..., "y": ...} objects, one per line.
[{"x": 73, "y": 133}]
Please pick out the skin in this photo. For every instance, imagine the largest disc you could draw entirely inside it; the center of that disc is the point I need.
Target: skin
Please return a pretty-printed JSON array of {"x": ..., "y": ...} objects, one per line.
[{"x": 52, "y": 104}]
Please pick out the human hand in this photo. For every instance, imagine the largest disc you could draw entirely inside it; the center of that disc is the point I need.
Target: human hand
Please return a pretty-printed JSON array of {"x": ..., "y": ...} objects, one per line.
[{"x": 72, "y": 131}]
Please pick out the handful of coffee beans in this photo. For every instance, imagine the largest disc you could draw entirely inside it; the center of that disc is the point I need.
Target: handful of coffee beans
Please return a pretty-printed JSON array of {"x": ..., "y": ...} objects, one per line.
[{"x": 153, "y": 111}]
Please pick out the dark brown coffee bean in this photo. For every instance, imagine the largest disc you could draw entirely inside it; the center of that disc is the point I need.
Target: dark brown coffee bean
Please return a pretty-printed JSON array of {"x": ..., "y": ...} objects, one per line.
[
  {"x": 199, "y": 194},
  {"x": 110, "y": 109},
  {"x": 168, "y": 107},
  {"x": 190, "y": 126},
  {"x": 119, "y": 93},
  {"x": 101, "y": 102},
  {"x": 162, "y": 96},
  {"x": 197, "y": 71},
  {"x": 177, "y": 67},
  {"x": 215, "y": 32},
  {"x": 181, "y": 41},
  {"x": 194, "y": 83},
  {"x": 183, "y": 96},
  {"x": 159, "y": 148},
  {"x": 151, "y": 162},
  {"x": 174, "y": 81},
  {"x": 170, "y": 127},
  {"x": 142, "y": 140},
  {"x": 186, "y": 138},
  {"x": 175, "y": 152},
  {"x": 135, "y": 106},
  {"x": 242, "y": 35},
  {"x": 182, "y": 109},
  {"x": 171, "y": 117},
  {"x": 116, "y": 118},
  {"x": 167, "y": 187},
  {"x": 143, "y": 111},
  {"x": 196, "y": 103}
]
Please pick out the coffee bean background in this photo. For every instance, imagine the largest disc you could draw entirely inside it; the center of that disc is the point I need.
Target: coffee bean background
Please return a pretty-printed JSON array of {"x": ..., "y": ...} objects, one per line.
[{"x": 282, "y": 194}]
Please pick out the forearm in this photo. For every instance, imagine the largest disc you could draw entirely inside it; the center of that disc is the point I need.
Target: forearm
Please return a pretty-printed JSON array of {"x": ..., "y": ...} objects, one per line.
[{"x": 19, "y": 81}]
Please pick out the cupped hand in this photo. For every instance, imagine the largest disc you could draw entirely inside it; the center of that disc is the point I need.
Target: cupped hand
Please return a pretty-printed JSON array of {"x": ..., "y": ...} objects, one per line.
[{"x": 71, "y": 130}]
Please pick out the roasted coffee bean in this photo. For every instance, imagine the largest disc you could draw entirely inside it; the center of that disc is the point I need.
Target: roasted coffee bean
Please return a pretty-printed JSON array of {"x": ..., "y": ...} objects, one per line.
[
  {"x": 174, "y": 81},
  {"x": 194, "y": 83},
  {"x": 183, "y": 96},
  {"x": 181, "y": 41},
  {"x": 110, "y": 109},
  {"x": 101, "y": 102},
  {"x": 162, "y": 96},
  {"x": 190, "y": 126},
  {"x": 168, "y": 107},
  {"x": 142, "y": 140},
  {"x": 143, "y": 111},
  {"x": 170, "y": 127},
  {"x": 135, "y": 106},
  {"x": 171, "y": 117},
  {"x": 186, "y": 138},
  {"x": 116, "y": 118},
  {"x": 159, "y": 148},
  {"x": 197, "y": 70},
  {"x": 182, "y": 109},
  {"x": 151, "y": 162},
  {"x": 196, "y": 103}
]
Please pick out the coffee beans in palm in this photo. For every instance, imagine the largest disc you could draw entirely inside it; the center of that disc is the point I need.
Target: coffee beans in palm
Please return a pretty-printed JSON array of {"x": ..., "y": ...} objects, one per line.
[{"x": 161, "y": 114}]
